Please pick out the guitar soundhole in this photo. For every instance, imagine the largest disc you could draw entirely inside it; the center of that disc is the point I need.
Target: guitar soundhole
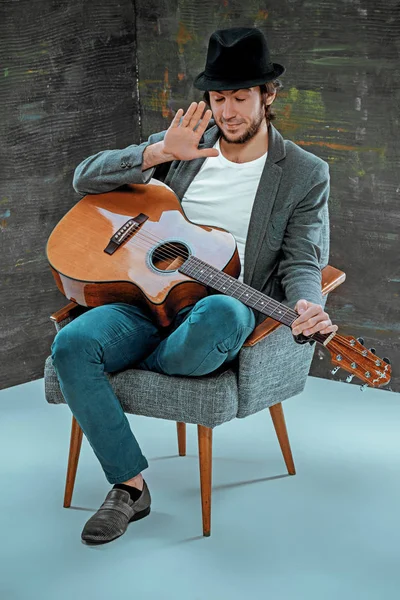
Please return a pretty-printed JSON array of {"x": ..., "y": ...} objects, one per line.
[{"x": 170, "y": 256}]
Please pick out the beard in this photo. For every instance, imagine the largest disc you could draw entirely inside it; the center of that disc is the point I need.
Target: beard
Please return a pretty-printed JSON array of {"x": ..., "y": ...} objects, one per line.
[{"x": 250, "y": 132}]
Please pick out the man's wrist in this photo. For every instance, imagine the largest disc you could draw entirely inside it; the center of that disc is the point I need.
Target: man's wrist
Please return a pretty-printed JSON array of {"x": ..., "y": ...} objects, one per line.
[{"x": 154, "y": 154}]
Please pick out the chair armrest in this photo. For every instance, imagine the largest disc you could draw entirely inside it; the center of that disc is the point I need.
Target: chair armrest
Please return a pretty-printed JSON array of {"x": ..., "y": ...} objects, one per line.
[
  {"x": 331, "y": 278},
  {"x": 65, "y": 312},
  {"x": 65, "y": 315}
]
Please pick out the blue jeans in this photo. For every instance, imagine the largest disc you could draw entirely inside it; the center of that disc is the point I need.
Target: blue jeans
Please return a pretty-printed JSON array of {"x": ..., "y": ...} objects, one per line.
[{"x": 113, "y": 337}]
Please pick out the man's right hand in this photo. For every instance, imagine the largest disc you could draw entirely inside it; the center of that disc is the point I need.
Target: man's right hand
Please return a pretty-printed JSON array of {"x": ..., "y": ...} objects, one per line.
[{"x": 182, "y": 138}]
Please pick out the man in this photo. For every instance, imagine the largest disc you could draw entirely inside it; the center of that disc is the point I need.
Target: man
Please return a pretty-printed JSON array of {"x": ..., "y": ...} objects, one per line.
[{"x": 237, "y": 173}]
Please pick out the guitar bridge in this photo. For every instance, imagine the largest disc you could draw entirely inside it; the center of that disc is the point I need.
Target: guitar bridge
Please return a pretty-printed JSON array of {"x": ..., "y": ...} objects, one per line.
[{"x": 124, "y": 232}]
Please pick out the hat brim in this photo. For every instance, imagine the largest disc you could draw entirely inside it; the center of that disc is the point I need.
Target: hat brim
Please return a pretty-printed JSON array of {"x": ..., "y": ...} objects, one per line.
[{"x": 210, "y": 84}]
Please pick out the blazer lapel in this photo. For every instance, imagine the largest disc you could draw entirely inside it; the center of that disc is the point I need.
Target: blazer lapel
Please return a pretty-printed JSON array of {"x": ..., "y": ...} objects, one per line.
[{"x": 263, "y": 202}]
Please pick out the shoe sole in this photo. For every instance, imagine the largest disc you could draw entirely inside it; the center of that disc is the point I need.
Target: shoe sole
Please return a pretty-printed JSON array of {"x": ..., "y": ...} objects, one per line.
[
  {"x": 140, "y": 515},
  {"x": 136, "y": 517}
]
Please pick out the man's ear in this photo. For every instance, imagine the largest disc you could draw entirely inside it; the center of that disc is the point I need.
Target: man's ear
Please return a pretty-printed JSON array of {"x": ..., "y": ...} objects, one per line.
[{"x": 270, "y": 98}]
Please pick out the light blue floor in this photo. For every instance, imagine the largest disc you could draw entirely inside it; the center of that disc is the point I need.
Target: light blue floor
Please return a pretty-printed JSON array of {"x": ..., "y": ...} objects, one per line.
[{"x": 329, "y": 533}]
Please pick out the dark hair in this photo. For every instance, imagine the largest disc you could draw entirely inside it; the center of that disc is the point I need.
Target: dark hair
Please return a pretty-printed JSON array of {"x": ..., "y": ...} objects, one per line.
[{"x": 265, "y": 90}]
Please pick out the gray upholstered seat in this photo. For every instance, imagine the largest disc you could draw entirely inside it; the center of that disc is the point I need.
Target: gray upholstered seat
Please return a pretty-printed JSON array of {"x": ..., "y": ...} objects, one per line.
[{"x": 258, "y": 380}]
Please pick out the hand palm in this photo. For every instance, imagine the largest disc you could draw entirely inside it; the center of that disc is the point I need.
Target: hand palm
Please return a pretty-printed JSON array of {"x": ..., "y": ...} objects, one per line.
[{"x": 183, "y": 135}]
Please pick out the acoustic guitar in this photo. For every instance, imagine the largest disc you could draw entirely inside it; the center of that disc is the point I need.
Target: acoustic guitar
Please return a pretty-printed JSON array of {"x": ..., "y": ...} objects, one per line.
[{"x": 135, "y": 245}]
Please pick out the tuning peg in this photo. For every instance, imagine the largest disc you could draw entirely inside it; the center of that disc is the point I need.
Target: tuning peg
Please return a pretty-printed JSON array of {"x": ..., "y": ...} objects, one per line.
[
  {"x": 349, "y": 378},
  {"x": 335, "y": 370},
  {"x": 362, "y": 388},
  {"x": 361, "y": 340},
  {"x": 386, "y": 360},
  {"x": 372, "y": 350}
]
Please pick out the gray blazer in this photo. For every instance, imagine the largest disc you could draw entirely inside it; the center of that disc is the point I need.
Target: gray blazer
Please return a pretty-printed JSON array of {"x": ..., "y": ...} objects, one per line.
[{"x": 288, "y": 237}]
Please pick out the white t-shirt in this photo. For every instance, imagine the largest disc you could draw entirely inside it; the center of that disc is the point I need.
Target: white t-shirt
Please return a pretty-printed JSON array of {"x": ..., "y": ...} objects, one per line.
[{"x": 222, "y": 195}]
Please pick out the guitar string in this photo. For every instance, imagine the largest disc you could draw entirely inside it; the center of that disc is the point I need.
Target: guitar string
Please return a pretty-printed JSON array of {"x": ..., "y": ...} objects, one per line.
[
  {"x": 317, "y": 336},
  {"x": 148, "y": 237},
  {"x": 169, "y": 254},
  {"x": 175, "y": 252},
  {"x": 274, "y": 304}
]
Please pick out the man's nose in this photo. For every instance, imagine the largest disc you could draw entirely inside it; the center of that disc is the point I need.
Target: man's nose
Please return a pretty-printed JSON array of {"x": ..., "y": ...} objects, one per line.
[{"x": 229, "y": 110}]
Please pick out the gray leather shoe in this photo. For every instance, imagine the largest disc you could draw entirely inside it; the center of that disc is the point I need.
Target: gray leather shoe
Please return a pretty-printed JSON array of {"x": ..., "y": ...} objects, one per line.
[{"x": 114, "y": 516}]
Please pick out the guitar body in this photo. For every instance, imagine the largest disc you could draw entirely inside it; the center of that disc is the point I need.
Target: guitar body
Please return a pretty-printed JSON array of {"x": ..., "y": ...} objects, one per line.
[{"x": 142, "y": 269}]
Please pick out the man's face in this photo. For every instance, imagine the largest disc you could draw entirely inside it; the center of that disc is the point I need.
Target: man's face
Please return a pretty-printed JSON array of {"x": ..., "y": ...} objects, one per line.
[{"x": 239, "y": 114}]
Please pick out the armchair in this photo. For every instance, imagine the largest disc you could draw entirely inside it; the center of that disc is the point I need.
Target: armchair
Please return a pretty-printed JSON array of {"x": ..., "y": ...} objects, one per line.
[{"x": 258, "y": 379}]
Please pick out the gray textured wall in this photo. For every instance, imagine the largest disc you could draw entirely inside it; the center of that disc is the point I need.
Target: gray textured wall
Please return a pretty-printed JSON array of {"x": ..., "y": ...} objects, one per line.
[{"x": 69, "y": 89}]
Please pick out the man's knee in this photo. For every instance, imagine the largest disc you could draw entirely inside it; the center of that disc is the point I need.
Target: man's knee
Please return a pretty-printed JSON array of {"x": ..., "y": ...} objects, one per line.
[
  {"x": 73, "y": 343},
  {"x": 223, "y": 311}
]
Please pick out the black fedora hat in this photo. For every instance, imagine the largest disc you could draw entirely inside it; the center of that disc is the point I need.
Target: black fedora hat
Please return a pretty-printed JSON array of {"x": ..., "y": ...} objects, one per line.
[{"x": 237, "y": 58}]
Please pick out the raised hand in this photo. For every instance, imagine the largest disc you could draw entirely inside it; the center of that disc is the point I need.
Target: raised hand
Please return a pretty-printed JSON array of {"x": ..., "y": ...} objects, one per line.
[{"x": 183, "y": 136}]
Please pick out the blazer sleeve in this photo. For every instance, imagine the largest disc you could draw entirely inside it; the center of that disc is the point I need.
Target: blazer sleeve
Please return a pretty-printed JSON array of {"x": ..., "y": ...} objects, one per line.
[
  {"x": 109, "y": 169},
  {"x": 305, "y": 241}
]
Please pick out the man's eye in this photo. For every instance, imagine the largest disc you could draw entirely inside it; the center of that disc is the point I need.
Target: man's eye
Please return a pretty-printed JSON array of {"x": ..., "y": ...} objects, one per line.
[
  {"x": 218, "y": 99},
  {"x": 240, "y": 99}
]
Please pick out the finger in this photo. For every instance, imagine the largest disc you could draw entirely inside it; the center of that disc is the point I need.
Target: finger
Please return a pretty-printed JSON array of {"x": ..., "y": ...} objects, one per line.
[
  {"x": 189, "y": 113},
  {"x": 176, "y": 119},
  {"x": 207, "y": 152},
  {"x": 301, "y": 325},
  {"x": 313, "y": 310},
  {"x": 331, "y": 329},
  {"x": 301, "y": 306},
  {"x": 321, "y": 316},
  {"x": 197, "y": 114},
  {"x": 204, "y": 122},
  {"x": 318, "y": 327}
]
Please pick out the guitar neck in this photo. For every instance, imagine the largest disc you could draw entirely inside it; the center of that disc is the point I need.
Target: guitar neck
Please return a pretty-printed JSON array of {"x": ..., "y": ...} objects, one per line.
[{"x": 226, "y": 284}]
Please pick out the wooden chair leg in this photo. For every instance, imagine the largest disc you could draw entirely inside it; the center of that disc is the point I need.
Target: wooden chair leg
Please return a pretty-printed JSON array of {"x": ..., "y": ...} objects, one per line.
[
  {"x": 74, "y": 451},
  {"x": 205, "y": 460},
  {"x": 181, "y": 429},
  {"x": 278, "y": 420}
]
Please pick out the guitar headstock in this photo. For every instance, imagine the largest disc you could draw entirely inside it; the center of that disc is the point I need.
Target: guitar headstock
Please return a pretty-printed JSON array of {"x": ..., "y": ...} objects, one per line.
[{"x": 349, "y": 354}]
